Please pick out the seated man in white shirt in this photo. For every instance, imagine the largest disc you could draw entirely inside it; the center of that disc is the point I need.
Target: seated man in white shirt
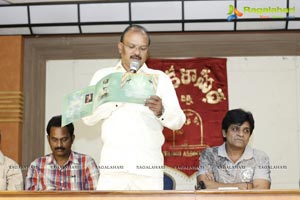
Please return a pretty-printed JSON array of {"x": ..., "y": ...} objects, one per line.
[
  {"x": 131, "y": 156},
  {"x": 11, "y": 177},
  {"x": 234, "y": 163}
]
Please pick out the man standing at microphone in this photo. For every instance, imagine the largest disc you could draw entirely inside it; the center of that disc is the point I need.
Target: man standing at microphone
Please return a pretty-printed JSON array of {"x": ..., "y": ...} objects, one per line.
[{"x": 131, "y": 156}]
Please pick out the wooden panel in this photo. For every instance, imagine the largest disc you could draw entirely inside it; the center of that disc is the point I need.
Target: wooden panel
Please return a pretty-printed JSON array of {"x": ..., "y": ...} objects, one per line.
[
  {"x": 34, "y": 105},
  {"x": 11, "y": 63},
  {"x": 11, "y": 116},
  {"x": 11, "y": 106},
  {"x": 11, "y": 95},
  {"x": 161, "y": 195},
  {"x": 225, "y": 44},
  {"x": 193, "y": 44}
]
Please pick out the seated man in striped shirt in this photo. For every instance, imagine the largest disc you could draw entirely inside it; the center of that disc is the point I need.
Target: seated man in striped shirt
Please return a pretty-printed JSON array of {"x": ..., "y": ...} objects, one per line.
[{"x": 63, "y": 169}]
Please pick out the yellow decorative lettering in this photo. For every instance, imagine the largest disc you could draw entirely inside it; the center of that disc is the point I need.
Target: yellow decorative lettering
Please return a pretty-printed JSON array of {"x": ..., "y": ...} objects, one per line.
[
  {"x": 188, "y": 76},
  {"x": 171, "y": 73}
]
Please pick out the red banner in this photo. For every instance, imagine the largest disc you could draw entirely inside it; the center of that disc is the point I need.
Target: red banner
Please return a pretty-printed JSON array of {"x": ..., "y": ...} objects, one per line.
[{"x": 201, "y": 87}]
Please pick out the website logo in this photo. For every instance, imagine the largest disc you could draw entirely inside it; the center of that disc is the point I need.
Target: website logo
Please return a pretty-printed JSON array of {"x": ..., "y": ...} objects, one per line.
[
  {"x": 271, "y": 12},
  {"x": 233, "y": 13}
]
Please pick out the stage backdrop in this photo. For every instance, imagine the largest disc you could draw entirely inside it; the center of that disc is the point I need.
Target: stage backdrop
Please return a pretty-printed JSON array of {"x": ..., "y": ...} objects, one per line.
[{"x": 201, "y": 87}]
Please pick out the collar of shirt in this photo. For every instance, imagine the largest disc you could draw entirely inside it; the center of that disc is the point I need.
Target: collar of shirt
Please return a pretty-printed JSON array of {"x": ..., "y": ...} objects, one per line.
[
  {"x": 1, "y": 158},
  {"x": 72, "y": 159},
  {"x": 248, "y": 153},
  {"x": 142, "y": 69}
]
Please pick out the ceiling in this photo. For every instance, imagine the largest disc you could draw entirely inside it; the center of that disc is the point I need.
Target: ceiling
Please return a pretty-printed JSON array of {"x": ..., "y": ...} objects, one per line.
[
  {"x": 7, "y": 2},
  {"x": 36, "y": 17}
]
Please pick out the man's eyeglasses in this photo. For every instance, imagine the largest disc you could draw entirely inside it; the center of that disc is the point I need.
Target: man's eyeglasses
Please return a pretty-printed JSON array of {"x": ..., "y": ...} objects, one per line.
[{"x": 133, "y": 47}]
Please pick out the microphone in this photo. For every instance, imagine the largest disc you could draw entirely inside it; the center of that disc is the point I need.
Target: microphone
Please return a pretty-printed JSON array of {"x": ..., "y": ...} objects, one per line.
[{"x": 134, "y": 65}]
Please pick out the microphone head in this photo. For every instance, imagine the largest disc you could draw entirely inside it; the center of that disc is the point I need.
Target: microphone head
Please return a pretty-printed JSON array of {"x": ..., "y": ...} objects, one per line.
[{"x": 134, "y": 66}]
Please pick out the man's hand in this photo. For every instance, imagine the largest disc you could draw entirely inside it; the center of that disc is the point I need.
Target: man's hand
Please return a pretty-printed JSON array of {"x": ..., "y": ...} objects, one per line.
[
  {"x": 154, "y": 103},
  {"x": 210, "y": 183},
  {"x": 209, "y": 176}
]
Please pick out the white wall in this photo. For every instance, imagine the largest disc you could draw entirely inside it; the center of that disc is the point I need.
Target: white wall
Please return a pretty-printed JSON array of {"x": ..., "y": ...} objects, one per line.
[{"x": 266, "y": 86}]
